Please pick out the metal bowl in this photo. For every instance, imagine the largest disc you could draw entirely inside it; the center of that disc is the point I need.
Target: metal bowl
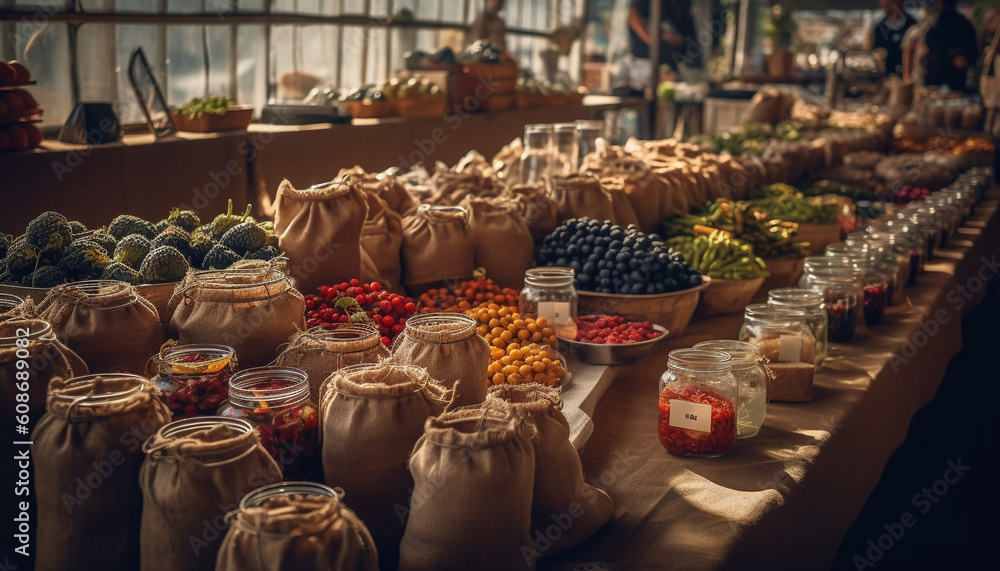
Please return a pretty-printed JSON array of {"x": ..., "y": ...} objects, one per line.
[{"x": 613, "y": 353}]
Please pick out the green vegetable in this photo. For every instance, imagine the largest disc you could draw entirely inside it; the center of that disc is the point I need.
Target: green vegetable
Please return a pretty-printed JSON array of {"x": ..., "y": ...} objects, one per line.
[
  {"x": 719, "y": 256},
  {"x": 212, "y": 105}
]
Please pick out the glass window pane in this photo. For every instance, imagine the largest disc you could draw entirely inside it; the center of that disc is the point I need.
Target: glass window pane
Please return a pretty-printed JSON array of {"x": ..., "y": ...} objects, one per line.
[
  {"x": 252, "y": 50},
  {"x": 44, "y": 50}
]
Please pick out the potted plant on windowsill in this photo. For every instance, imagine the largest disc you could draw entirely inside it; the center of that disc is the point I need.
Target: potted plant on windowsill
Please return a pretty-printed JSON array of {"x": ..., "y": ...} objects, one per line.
[
  {"x": 212, "y": 114},
  {"x": 779, "y": 29}
]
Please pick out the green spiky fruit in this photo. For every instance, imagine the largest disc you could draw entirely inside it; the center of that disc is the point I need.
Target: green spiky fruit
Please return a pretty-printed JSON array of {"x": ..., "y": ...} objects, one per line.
[
  {"x": 244, "y": 237},
  {"x": 121, "y": 272},
  {"x": 47, "y": 276},
  {"x": 219, "y": 258},
  {"x": 201, "y": 245},
  {"x": 126, "y": 225},
  {"x": 224, "y": 222},
  {"x": 267, "y": 253},
  {"x": 84, "y": 260},
  {"x": 21, "y": 259},
  {"x": 186, "y": 219},
  {"x": 105, "y": 240},
  {"x": 77, "y": 227},
  {"x": 131, "y": 250},
  {"x": 161, "y": 226},
  {"x": 176, "y": 237},
  {"x": 50, "y": 230},
  {"x": 162, "y": 265}
]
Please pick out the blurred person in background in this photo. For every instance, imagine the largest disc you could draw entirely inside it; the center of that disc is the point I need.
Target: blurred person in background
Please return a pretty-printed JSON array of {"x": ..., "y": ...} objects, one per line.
[
  {"x": 952, "y": 48},
  {"x": 913, "y": 47},
  {"x": 888, "y": 34},
  {"x": 678, "y": 40}
]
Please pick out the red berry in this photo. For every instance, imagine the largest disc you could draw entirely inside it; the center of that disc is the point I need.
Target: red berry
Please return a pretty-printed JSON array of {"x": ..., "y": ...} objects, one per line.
[
  {"x": 375, "y": 286},
  {"x": 355, "y": 282},
  {"x": 385, "y": 341},
  {"x": 410, "y": 307},
  {"x": 388, "y": 321}
]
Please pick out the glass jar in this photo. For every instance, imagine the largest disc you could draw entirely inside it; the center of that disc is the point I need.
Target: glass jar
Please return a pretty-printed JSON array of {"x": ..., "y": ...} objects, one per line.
[
  {"x": 816, "y": 264},
  {"x": 876, "y": 291},
  {"x": 751, "y": 383},
  {"x": 891, "y": 256},
  {"x": 276, "y": 401},
  {"x": 194, "y": 379},
  {"x": 549, "y": 293},
  {"x": 9, "y": 301},
  {"x": 696, "y": 402},
  {"x": 840, "y": 300},
  {"x": 319, "y": 351},
  {"x": 780, "y": 334},
  {"x": 261, "y": 494},
  {"x": 587, "y": 133},
  {"x": 927, "y": 226},
  {"x": 566, "y": 156},
  {"x": 810, "y": 302},
  {"x": 536, "y": 158}
]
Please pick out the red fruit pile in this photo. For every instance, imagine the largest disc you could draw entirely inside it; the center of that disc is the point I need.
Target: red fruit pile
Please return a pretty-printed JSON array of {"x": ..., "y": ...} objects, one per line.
[
  {"x": 369, "y": 303},
  {"x": 907, "y": 194},
  {"x": 613, "y": 329}
]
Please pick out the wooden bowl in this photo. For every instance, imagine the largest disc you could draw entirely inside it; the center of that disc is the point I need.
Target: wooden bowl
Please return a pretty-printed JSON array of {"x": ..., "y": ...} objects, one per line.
[
  {"x": 819, "y": 236},
  {"x": 723, "y": 297},
  {"x": 237, "y": 117},
  {"x": 673, "y": 310},
  {"x": 785, "y": 272}
]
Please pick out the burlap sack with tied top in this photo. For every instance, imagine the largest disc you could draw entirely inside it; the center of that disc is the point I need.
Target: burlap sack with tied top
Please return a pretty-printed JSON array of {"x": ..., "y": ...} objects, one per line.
[
  {"x": 382, "y": 242},
  {"x": 678, "y": 197},
  {"x": 372, "y": 416},
  {"x": 253, "y": 311},
  {"x": 472, "y": 175},
  {"x": 624, "y": 213},
  {"x": 582, "y": 196},
  {"x": 319, "y": 352},
  {"x": 319, "y": 229},
  {"x": 560, "y": 487},
  {"x": 383, "y": 185},
  {"x": 537, "y": 208},
  {"x": 108, "y": 324},
  {"x": 447, "y": 345},
  {"x": 87, "y": 456},
  {"x": 437, "y": 245},
  {"x": 297, "y": 532},
  {"x": 507, "y": 163},
  {"x": 473, "y": 474},
  {"x": 643, "y": 189},
  {"x": 501, "y": 241},
  {"x": 196, "y": 471}
]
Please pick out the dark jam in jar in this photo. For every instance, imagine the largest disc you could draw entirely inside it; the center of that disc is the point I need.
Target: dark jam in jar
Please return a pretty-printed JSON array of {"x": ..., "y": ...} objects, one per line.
[
  {"x": 686, "y": 442},
  {"x": 876, "y": 298},
  {"x": 194, "y": 379},
  {"x": 841, "y": 321},
  {"x": 915, "y": 261}
]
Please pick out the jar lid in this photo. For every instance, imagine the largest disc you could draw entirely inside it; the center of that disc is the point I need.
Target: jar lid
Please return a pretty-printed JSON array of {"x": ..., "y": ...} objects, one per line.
[
  {"x": 550, "y": 276},
  {"x": 258, "y": 496},
  {"x": 794, "y": 297}
]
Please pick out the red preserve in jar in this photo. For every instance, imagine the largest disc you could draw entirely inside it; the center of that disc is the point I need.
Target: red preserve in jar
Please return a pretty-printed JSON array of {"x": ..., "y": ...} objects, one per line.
[
  {"x": 194, "y": 379},
  {"x": 697, "y": 414},
  {"x": 276, "y": 401}
]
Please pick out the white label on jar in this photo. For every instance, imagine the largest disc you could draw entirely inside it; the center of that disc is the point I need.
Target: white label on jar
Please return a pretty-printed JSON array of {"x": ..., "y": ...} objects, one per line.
[
  {"x": 555, "y": 312},
  {"x": 691, "y": 415},
  {"x": 790, "y": 348}
]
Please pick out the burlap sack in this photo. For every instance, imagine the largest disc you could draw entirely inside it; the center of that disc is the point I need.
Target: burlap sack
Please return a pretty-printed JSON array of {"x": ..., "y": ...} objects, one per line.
[
  {"x": 196, "y": 471},
  {"x": 252, "y": 311},
  {"x": 297, "y": 532},
  {"x": 501, "y": 241},
  {"x": 382, "y": 241},
  {"x": 582, "y": 196},
  {"x": 624, "y": 213},
  {"x": 437, "y": 245},
  {"x": 675, "y": 200},
  {"x": 473, "y": 475},
  {"x": 448, "y": 346},
  {"x": 319, "y": 352},
  {"x": 561, "y": 492},
  {"x": 87, "y": 456},
  {"x": 450, "y": 187},
  {"x": 108, "y": 324},
  {"x": 507, "y": 163},
  {"x": 319, "y": 229},
  {"x": 385, "y": 186},
  {"x": 537, "y": 208},
  {"x": 634, "y": 176},
  {"x": 372, "y": 416}
]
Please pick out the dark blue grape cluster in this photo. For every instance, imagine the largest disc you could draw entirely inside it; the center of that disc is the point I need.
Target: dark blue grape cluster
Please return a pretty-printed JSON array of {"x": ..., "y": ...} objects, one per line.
[{"x": 609, "y": 258}]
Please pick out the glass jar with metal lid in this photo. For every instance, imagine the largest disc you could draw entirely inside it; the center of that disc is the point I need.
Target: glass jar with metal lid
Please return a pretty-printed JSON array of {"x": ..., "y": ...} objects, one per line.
[
  {"x": 751, "y": 383},
  {"x": 549, "y": 293},
  {"x": 926, "y": 225},
  {"x": 697, "y": 403},
  {"x": 811, "y": 302},
  {"x": 781, "y": 334}
]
